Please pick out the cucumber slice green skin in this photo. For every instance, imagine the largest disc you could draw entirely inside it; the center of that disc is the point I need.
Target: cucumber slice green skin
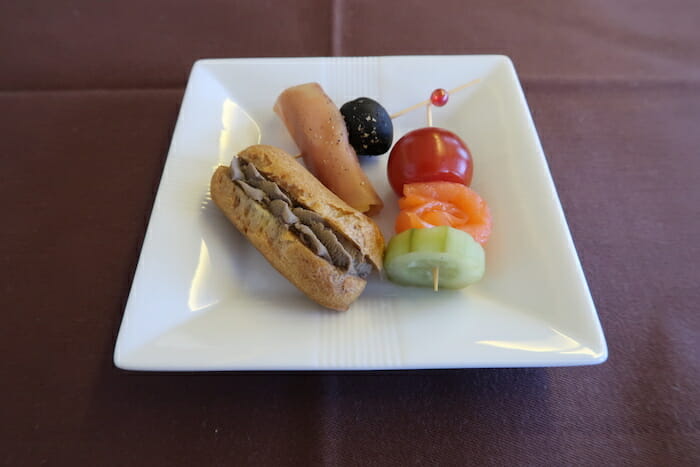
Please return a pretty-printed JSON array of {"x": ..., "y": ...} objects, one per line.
[{"x": 412, "y": 255}]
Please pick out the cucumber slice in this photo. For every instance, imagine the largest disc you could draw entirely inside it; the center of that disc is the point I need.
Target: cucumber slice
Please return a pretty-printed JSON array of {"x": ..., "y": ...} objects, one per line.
[{"x": 411, "y": 257}]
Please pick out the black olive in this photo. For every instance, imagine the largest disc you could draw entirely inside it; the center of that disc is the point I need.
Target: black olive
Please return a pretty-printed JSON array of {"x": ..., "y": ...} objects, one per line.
[{"x": 370, "y": 129}]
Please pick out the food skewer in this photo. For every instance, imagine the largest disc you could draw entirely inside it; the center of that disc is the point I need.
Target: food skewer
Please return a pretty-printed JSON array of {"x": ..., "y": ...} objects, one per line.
[
  {"x": 440, "y": 94},
  {"x": 417, "y": 253},
  {"x": 438, "y": 97}
]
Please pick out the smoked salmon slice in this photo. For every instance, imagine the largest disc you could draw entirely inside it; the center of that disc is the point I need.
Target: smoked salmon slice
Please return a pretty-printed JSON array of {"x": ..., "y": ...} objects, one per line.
[
  {"x": 318, "y": 129},
  {"x": 432, "y": 204}
]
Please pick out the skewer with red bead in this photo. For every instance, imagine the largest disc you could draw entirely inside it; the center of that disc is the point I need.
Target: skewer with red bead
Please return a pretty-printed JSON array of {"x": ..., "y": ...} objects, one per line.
[{"x": 438, "y": 98}]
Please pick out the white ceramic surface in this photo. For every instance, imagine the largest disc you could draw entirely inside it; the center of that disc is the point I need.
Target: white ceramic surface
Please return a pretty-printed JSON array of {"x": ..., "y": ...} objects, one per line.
[{"x": 204, "y": 299}]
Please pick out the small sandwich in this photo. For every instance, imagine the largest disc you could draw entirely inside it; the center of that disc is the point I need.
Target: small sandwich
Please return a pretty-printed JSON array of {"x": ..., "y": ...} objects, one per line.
[{"x": 319, "y": 243}]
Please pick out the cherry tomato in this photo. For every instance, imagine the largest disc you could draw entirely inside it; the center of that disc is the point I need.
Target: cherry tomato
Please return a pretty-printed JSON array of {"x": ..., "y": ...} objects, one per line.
[{"x": 427, "y": 155}]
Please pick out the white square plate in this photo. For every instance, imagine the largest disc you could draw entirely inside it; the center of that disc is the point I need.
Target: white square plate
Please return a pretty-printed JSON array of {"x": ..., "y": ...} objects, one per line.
[{"x": 204, "y": 299}]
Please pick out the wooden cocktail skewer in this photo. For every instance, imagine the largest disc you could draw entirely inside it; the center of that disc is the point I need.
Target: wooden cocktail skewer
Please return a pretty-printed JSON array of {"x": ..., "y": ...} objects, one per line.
[
  {"x": 439, "y": 97},
  {"x": 428, "y": 101},
  {"x": 407, "y": 110},
  {"x": 436, "y": 269}
]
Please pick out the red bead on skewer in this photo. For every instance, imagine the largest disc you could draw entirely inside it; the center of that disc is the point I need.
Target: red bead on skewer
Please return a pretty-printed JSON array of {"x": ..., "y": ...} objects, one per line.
[{"x": 439, "y": 97}]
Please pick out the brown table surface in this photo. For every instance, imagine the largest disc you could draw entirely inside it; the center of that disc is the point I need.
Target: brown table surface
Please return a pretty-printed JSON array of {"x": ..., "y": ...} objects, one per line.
[{"x": 89, "y": 94}]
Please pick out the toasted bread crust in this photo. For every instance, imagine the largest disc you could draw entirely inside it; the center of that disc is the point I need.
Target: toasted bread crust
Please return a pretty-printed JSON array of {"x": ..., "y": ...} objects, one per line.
[
  {"x": 291, "y": 176},
  {"x": 318, "y": 279}
]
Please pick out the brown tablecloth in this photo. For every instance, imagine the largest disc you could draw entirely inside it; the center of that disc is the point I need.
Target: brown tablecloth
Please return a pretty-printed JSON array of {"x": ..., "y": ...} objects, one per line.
[{"x": 89, "y": 93}]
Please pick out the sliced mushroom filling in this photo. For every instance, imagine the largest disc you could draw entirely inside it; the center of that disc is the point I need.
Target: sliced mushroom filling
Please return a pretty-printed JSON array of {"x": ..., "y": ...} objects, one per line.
[{"x": 306, "y": 224}]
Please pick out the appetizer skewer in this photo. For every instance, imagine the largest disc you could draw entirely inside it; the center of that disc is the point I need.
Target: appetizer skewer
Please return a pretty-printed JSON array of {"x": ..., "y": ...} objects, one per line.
[{"x": 442, "y": 222}]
